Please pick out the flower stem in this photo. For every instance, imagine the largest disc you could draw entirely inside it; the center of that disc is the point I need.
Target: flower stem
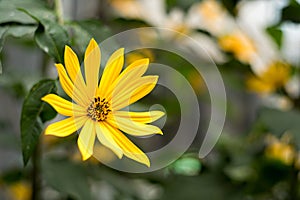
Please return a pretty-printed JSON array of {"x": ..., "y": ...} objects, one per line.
[
  {"x": 37, "y": 154},
  {"x": 36, "y": 173},
  {"x": 59, "y": 11}
]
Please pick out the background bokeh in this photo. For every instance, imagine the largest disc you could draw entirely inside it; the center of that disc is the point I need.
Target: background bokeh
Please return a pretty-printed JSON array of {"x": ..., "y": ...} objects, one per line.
[{"x": 254, "y": 43}]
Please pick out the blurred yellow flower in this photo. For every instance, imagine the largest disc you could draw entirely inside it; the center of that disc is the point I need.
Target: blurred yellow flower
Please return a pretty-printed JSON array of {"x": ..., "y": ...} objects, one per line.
[
  {"x": 127, "y": 8},
  {"x": 280, "y": 150},
  {"x": 275, "y": 77},
  {"x": 197, "y": 82},
  {"x": 211, "y": 10},
  {"x": 96, "y": 109},
  {"x": 173, "y": 25},
  {"x": 20, "y": 191},
  {"x": 239, "y": 44},
  {"x": 211, "y": 16}
]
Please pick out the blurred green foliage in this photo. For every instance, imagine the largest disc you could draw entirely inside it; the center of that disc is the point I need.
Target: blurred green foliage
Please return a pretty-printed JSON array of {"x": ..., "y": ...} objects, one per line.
[{"x": 238, "y": 168}]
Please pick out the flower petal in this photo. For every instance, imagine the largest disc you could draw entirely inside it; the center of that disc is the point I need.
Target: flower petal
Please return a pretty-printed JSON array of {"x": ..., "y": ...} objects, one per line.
[
  {"x": 255, "y": 84},
  {"x": 69, "y": 88},
  {"x": 65, "y": 127},
  {"x": 73, "y": 69},
  {"x": 134, "y": 128},
  {"x": 125, "y": 94},
  {"x": 86, "y": 139},
  {"x": 141, "y": 65},
  {"x": 142, "y": 117},
  {"x": 63, "y": 106},
  {"x": 112, "y": 70},
  {"x": 104, "y": 136},
  {"x": 92, "y": 60},
  {"x": 142, "y": 91},
  {"x": 129, "y": 149},
  {"x": 132, "y": 72},
  {"x": 71, "y": 63}
]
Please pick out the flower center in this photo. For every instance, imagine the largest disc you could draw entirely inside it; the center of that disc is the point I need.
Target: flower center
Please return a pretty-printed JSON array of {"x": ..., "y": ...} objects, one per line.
[{"x": 99, "y": 109}]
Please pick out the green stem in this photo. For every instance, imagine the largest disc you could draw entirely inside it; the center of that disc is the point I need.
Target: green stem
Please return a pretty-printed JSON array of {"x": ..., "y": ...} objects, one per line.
[
  {"x": 45, "y": 63},
  {"x": 294, "y": 182},
  {"x": 37, "y": 154},
  {"x": 36, "y": 173},
  {"x": 59, "y": 11}
]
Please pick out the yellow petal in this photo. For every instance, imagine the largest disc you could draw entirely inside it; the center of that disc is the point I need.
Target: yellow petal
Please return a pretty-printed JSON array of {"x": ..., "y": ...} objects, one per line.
[
  {"x": 129, "y": 149},
  {"x": 63, "y": 106},
  {"x": 86, "y": 139},
  {"x": 129, "y": 79},
  {"x": 142, "y": 91},
  {"x": 112, "y": 70},
  {"x": 73, "y": 69},
  {"x": 71, "y": 63},
  {"x": 142, "y": 65},
  {"x": 104, "y": 136},
  {"x": 142, "y": 117},
  {"x": 255, "y": 84},
  {"x": 65, "y": 127},
  {"x": 131, "y": 73},
  {"x": 92, "y": 60},
  {"x": 69, "y": 88},
  {"x": 128, "y": 92},
  {"x": 134, "y": 128}
]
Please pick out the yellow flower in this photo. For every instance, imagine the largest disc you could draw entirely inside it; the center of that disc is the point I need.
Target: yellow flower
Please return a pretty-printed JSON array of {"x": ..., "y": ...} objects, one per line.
[
  {"x": 275, "y": 77},
  {"x": 280, "y": 150},
  {"x": 211, "y": 10},
  {"x": 197, "y": 82},
  {"x": 213, "y": 17},
  {"x": 96, "y": 109},
  {"x": 127, "y": 8},
  {"x": 20, "y": 190},
  {"x": 239, "y": 44}
]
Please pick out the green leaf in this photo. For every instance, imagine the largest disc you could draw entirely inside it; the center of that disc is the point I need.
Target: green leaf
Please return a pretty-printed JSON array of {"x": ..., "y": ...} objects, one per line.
[
  {"x": 19, "y": 30},
  {"x": 83, "y": 31},
  {"x": 2, "y": 32},
  {"x": 279, "y": 122},
  {"x": 187, "y": 166},
  {"x": 240, "y": 172},
  {"x": 10, "y": 13},
  {"x": 12, "y": 176},
  {"x": 50, "y": 36},
  {"x": 47, "y": 113},
  {"x": 31, "y": 123},
  {"x": 96, "y": 29},
  {"x": 67, "y": 178},
  {"x": 39, "y": 14},
  {"x": 52, "y": 41},
  {"x": 291, "y": 13},
  {"x": 183, "y": 4},
  {"x": 80, "y": 37},
  {"x": 230, "y": 5},
  {"x": 276, "y": 34},
  {"x": 15, "y": 31}
]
